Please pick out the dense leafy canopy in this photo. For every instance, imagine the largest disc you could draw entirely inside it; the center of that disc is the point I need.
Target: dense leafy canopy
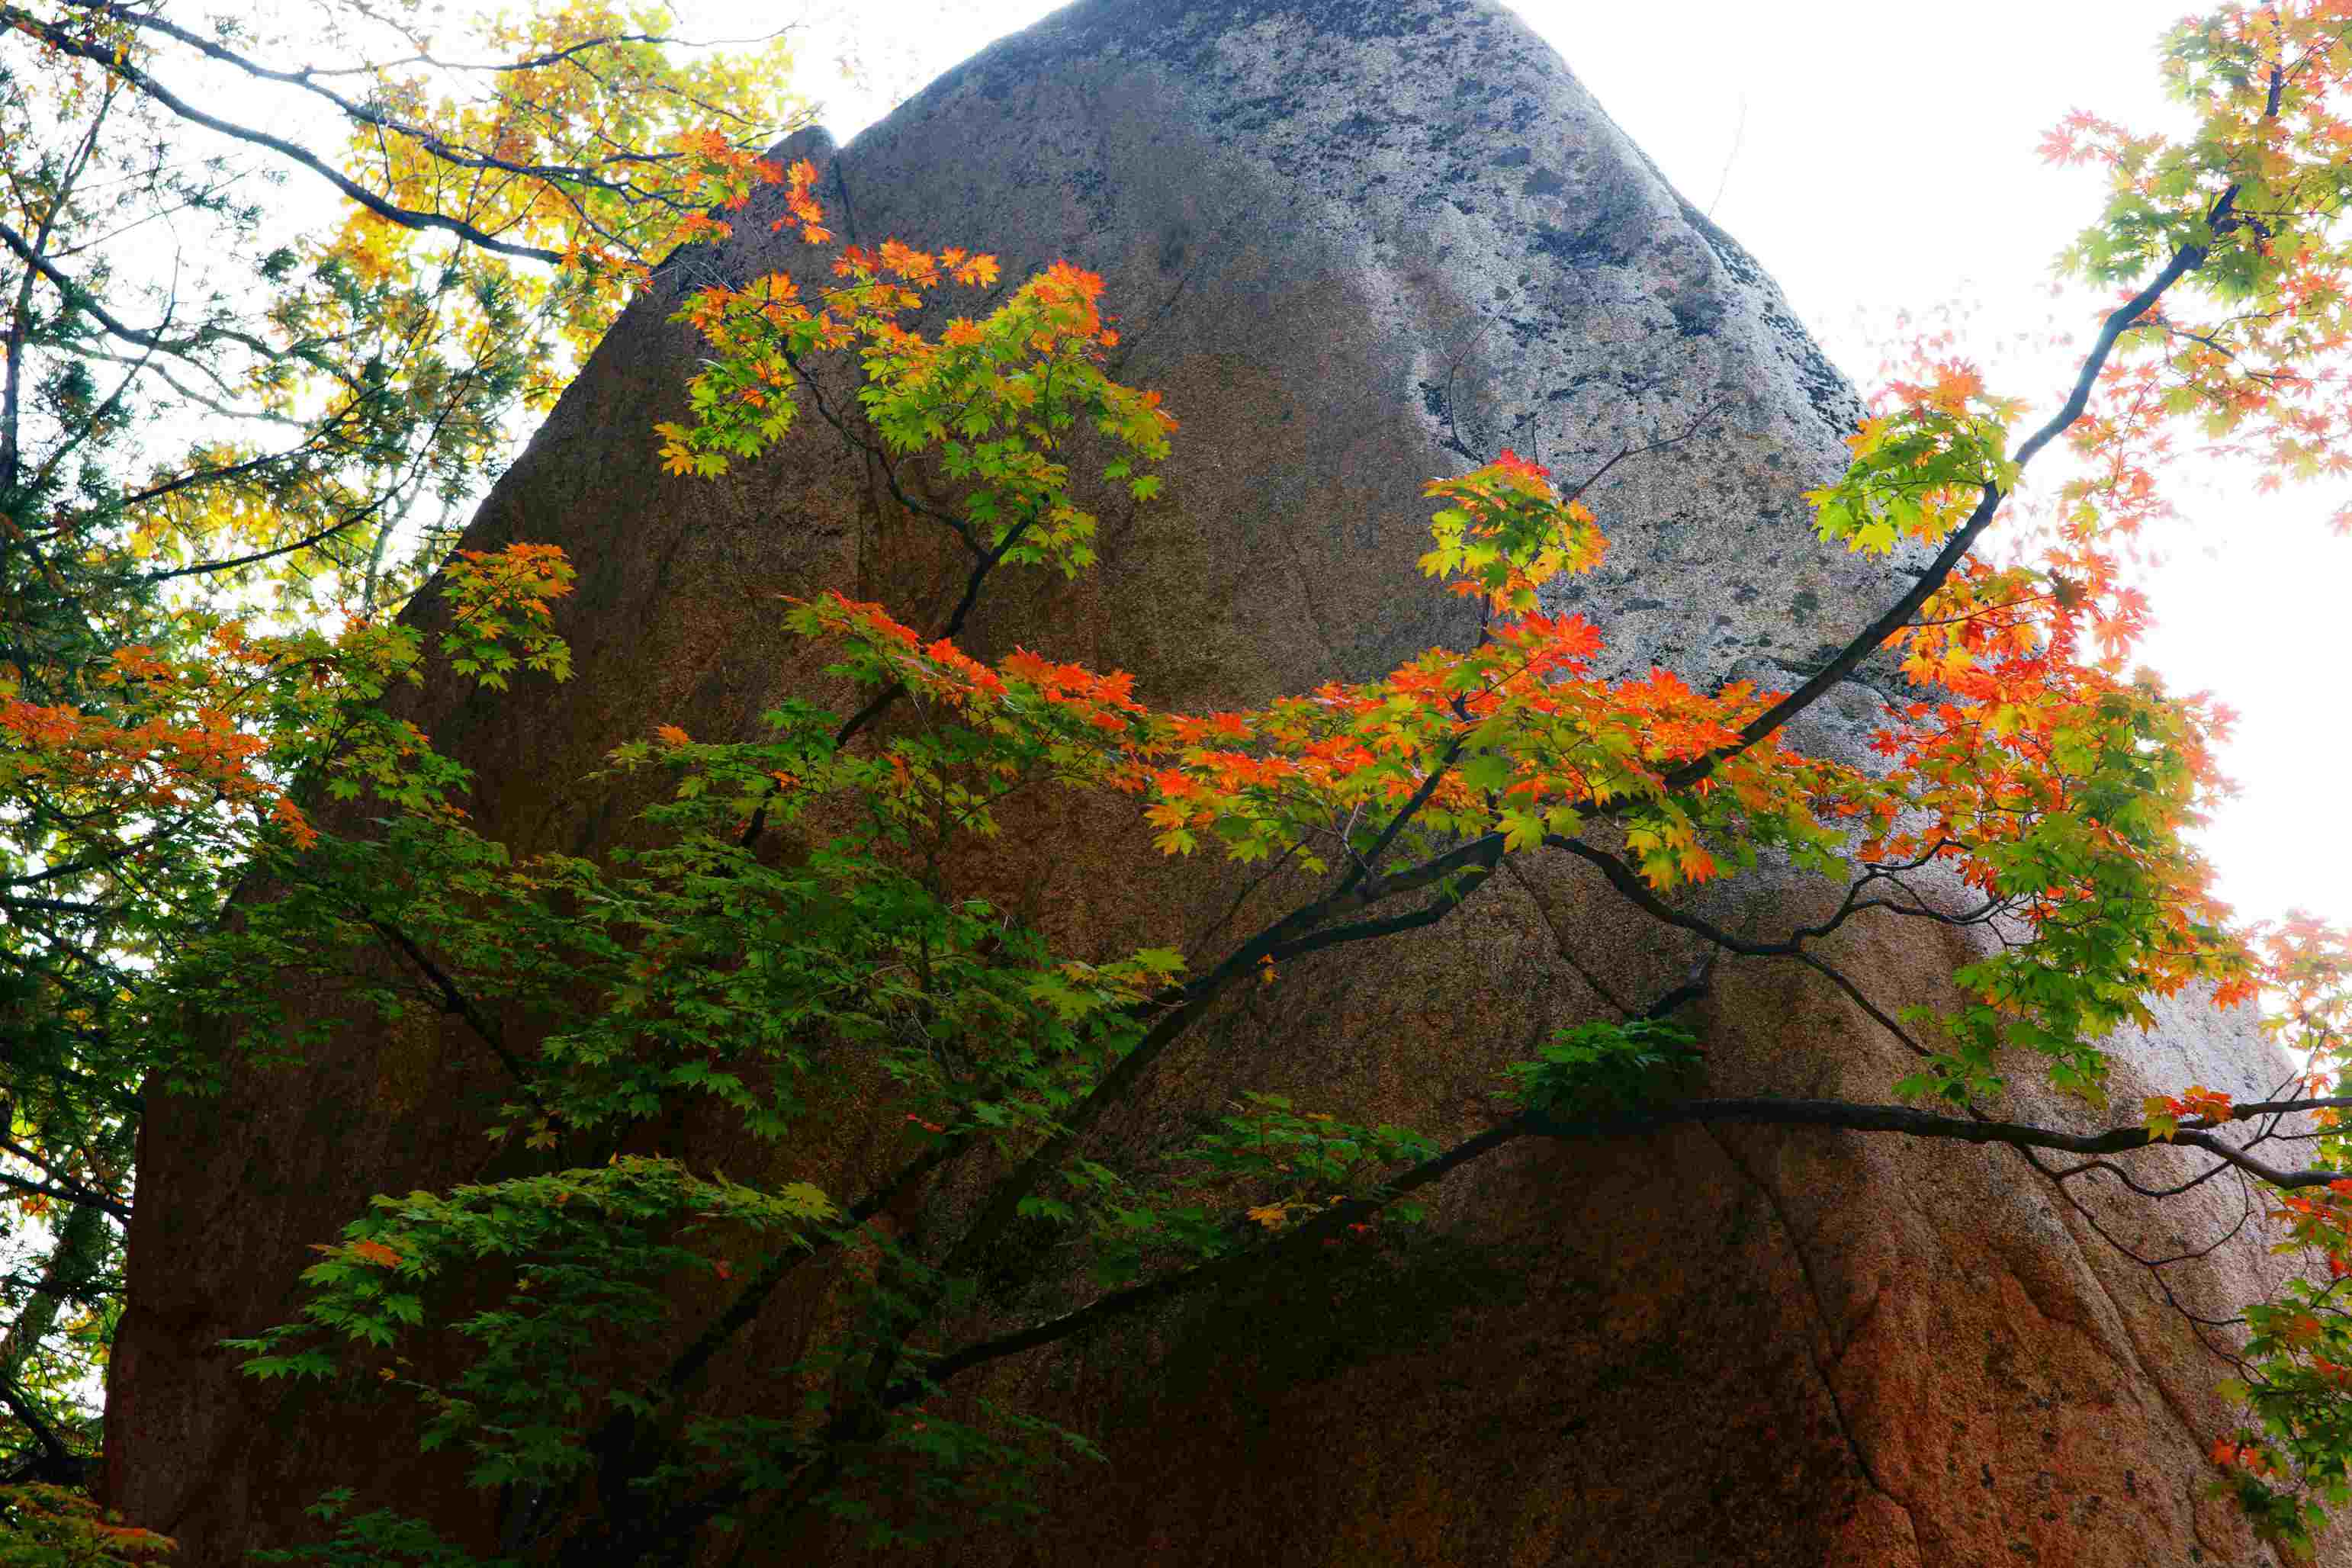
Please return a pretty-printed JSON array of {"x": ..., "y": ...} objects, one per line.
[{"x": 278, "y": 289}]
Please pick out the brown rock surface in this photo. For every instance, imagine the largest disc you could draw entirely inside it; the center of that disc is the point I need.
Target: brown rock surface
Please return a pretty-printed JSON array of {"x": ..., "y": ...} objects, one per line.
[{"x": 1355, "y": 243}]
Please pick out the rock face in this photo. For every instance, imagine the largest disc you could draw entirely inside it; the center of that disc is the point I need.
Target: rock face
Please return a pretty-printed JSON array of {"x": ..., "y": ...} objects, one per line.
[{"x": 1357, "y": 242}]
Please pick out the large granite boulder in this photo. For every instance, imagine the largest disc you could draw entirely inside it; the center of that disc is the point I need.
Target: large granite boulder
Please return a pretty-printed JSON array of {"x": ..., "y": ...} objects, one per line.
[{"x": 1357, "y": 242}]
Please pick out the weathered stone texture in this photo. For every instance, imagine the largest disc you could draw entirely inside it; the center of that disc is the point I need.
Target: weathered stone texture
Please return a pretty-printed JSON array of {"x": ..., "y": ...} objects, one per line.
[{"x": 1357, "y": 242}]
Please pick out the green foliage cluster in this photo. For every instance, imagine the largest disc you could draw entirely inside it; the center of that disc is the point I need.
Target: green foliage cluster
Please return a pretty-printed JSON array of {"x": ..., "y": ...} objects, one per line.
[
  {"x": 1598, "y": 1069},
  {"x": 46, "y": 1526}
]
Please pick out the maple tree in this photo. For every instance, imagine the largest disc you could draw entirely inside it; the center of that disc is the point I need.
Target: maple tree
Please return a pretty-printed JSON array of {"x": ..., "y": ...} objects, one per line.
[{"x": 718, "y": 968}]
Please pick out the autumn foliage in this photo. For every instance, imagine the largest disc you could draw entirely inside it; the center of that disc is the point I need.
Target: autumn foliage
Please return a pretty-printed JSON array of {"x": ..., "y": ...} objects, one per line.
[{"x": 2057, "y": 785}]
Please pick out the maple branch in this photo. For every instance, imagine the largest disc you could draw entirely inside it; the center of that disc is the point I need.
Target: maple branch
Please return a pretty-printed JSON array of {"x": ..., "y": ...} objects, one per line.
[
  {"x": 625, "y": 1448},
  {"x": 1327, "y": 1224},
  {"x": 1366, "y": 931},
  {"x": 2186, "y": 260},
  {"x": 988, "y": 560},
  {"x": 1856, "y": 995},
  {"x": 1274, "y": 868},
  {"x": 880, "y": 455},
  {"x": 456, "y": 1003},
  {"x": 879, "y": 704},
  {"x": 682, "y": 1372},
  {"x": 1689, "y": 432},
  {"x": 1627, "y": 882},
  {"x": 1854, "y": 1117},
  {"x": 1368, "y": 863},
  {"x": 2197, "y": 1322},
  {"x": 1302, "y": 931},
  {"x": 1623, "y": 877},
  {"x": 2124, "y": 1176}
]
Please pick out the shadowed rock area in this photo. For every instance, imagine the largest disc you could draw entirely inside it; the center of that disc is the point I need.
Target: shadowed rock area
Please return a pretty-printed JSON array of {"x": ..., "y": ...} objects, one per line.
[{"x": 1357, "y": 244}]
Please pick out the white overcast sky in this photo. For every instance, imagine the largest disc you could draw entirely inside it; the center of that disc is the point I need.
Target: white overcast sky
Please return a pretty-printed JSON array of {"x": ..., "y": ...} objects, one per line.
[{"x": 1876, "y": 156}]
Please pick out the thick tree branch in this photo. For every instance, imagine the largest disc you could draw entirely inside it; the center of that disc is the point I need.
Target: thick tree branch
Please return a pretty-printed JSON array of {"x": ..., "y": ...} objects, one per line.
[
  {"x": 313, "y": 83},
  {"x": 80, "y": 298},
  {"x": 1837, "y": 1115},
  {"x": 65, "y": 1194},
  {"x": 391, "y": 212},
  {"x": 307, "y": 542},
  {"x": 1847, "y": 1116}
]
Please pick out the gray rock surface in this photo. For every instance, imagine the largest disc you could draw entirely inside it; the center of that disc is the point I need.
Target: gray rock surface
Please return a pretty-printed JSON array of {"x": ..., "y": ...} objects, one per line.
[
  {"x": 1357, "y": 242},
  {"x": 1424, "y": 188}
]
